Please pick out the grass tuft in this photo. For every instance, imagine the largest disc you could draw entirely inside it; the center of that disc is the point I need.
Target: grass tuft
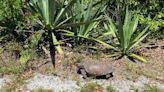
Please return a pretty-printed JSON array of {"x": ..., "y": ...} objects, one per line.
[
  {"x": 92, "y": 87},
  {"x": 110, "y": 89},
  {"x": 42, "y": 90}
]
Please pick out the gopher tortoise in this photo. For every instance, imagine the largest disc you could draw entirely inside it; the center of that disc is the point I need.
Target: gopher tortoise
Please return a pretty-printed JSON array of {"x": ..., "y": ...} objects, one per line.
[{"x": 95, "y": 69}]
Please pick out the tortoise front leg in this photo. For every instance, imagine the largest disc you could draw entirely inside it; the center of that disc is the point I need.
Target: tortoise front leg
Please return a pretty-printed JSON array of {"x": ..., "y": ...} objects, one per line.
[
  {"x": 83, "y": 72},
  {"x": 109, "y": 75}
]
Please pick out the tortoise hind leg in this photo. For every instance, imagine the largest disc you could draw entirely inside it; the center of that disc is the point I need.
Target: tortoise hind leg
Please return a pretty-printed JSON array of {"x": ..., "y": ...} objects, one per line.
[{"x": 83, "y": 72}]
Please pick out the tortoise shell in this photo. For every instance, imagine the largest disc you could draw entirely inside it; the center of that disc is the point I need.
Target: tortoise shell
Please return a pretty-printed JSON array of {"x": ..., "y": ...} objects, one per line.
[{"x": 96, "y": 68}]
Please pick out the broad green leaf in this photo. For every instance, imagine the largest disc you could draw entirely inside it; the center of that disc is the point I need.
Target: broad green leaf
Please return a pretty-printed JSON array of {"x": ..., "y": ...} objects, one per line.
[
  {"x": 134, "y": 25},
  {"x": 57, "y": 44},
  {"x": 105, "y": 44},
  {"x": 138, "y": 57},
  {"x": 46, "y": 8},
  {"x": 126, "y": 30},
  {"x": 67, "y": 33},
  {"x": 104, "y": 34},
  {"x": 140, "y": 34},
  {"x": 138, "y": 41},
  {"x": 88, "y": 12},
  {"x": 111, "y": 26},
  {"x": 78, "y": 24},
  {"x": 64, "y": 21},
  {"x": 90, "y": 28},
  {"x": 63, "y": 11},
  {"x": 114, "y": 54}
]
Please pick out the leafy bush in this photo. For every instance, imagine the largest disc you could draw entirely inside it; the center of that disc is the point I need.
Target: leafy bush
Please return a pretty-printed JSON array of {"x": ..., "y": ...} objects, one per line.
[
  {"x": 10, "y": 15},
  {"x": 150, "y": 11},
  {"x": 10, "y": 10},
  {"x": 12, "y": 34},
  {"x": 17, "y": 29}
]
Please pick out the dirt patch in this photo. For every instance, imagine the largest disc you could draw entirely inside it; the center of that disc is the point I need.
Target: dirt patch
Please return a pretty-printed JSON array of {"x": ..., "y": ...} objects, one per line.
[{"x": 124, "y": 68}]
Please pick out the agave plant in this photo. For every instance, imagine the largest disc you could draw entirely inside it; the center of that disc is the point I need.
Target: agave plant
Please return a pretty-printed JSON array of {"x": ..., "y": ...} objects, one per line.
[
  {"x": 127, "y": 36},
  {"x": 52, "y": 15},
  {"x": 88, "y": 14}
]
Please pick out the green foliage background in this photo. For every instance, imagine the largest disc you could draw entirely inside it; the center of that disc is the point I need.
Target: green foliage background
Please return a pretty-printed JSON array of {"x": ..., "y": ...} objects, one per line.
[
  {"x": 152, "y": 11},
  {"x": 18, "y": 32}
]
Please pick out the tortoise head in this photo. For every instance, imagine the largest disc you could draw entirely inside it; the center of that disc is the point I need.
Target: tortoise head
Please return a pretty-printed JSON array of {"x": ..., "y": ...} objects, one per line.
[{"x": 80, "y": 65}]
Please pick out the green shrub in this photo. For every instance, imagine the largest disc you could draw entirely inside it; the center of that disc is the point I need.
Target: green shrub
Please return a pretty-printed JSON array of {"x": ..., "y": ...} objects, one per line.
[{"x": 10, "y": 9}]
